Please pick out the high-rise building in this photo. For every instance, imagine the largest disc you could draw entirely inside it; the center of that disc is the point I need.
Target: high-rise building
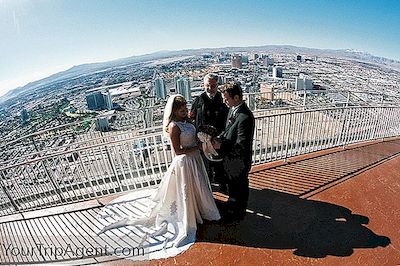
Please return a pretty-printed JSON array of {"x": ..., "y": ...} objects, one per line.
[
  {"x": 308, "y": 84},
  {"x": 159, "y": 88},
  {"x": 108, "y": 100},
  {"x": 245, "y": 59},
  {"x": 253, "y": 57},
  {"x": 299, "y": 84},
  {"x": 268, "y": 61},
  {"x": 237, "y": 61},
  {"x": 24, "y": 115},
  {"x": 102, "y": 124},
  {"x": 183, "y": 87},
  {"x": 277, "y": 72},
  {"x": 95, "y": 101},
  {"x": 303, "y": 84},
  {"x": 176, "y": 78}
]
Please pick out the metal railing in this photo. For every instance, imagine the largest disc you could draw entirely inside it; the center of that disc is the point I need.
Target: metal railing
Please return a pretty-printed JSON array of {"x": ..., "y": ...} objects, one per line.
[
  {"x": 113, "y": 162},
  {"x": 315, "y": 99},
  {"x": 277, "y": 101}
]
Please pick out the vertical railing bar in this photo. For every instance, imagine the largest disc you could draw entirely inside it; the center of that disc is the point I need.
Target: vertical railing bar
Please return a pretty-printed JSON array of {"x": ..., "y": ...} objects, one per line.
[
  {"x": 101, "y": 163},
  {"x": 149, "y": 155},
  {"x": 298, "y": 133},
  {"x": 81, "y": 155},
  {"x": 47, "y": 189},
  {"x": 316, "y": 127},
  {"x": 111, "y": 160},
  {"x": 273, "y": 136},
  {"x": 6, "y": 193},
  {"x": 129, "y": 154},
  {"x": 39, "y": 188},
  {"x": 326, "y": 130},
  {"x": 137, "y": 167},
  {"x": 30, "y": 192},
  {"x": 278, "y": 136},
  {"x": 157, "y": 157},
  {"x": 289, "y": 126},
  {"x": 266, "y": 121},
  {"x": 121, "y": 177},
  {"x": 261, "y": 122},
  {"x": 76, "y": 178}
]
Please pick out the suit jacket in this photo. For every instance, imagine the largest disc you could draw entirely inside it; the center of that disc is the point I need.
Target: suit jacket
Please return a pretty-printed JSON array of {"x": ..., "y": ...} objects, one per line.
[{"x": 237, "y": 141}]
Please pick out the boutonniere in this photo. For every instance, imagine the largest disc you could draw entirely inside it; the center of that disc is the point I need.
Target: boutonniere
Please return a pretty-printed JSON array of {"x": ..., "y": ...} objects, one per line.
[{"x": 192, "y": 115}]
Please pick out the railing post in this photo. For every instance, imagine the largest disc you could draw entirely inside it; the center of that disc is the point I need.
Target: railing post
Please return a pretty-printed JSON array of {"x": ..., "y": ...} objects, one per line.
[
  {"x": 288, "y": 134},
  {"x": 111, "y": 162},
  {"x": 51, "y": 178},
  {"x": 13, "y": 203},
  {"x": 344, "y": 110}
]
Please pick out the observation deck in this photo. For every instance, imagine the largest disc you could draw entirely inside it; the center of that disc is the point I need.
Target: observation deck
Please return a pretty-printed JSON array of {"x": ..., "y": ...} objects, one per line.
[{"x": 324, "y": 188}]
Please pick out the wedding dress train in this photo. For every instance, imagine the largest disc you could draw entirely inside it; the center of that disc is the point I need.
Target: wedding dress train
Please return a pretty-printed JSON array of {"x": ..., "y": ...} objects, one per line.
[{"x": 166, "y": 219}]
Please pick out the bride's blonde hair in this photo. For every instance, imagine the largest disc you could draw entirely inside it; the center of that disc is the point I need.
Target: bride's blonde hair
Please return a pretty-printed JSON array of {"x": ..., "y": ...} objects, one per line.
[{"x": 179, "y": 101}]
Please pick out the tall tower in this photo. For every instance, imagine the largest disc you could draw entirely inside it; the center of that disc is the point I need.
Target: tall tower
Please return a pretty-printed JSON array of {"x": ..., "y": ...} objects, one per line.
[
  {"x": 159, "y": 88},
  {"x": 108, "y": 100},
  {"x": 299, "y": 84},
  {"x": 268, "y": 61},
  {"x": 237, "y": 61},
  {"x": 95, "y": 101},
  {"x": 277, "y": 72},
  {"x": 183, "y": 87}
]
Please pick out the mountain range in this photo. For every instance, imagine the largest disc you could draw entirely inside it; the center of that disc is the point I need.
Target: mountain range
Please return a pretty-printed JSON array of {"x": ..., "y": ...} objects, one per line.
[{"x": 85, "y": 69}]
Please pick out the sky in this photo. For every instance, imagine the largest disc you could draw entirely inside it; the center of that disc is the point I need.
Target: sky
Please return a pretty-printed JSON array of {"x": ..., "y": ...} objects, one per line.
[{"x": 42, "y": 37}]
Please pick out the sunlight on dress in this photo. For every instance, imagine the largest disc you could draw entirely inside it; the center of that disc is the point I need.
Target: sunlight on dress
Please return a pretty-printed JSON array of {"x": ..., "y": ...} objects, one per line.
[{"x": 163, "y": 221}]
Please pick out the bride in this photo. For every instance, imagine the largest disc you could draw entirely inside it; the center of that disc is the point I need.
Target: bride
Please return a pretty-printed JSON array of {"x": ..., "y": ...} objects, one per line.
[{"x": 184, "y": 197}]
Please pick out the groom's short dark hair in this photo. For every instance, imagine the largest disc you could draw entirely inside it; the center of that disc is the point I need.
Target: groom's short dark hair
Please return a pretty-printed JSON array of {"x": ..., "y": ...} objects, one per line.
[{"x": 233, "y": 89}]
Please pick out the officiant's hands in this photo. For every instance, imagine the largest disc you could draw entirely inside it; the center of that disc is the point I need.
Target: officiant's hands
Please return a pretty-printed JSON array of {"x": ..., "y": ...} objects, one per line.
[{"x": 216, "y": 142}]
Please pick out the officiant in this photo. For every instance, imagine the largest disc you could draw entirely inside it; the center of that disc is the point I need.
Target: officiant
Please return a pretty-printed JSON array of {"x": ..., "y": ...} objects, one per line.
[{"x": 209, "y": 109}]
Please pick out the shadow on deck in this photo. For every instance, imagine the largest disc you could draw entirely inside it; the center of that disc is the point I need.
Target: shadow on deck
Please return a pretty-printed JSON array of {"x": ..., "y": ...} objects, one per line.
[{"x": 335, "y": 207}]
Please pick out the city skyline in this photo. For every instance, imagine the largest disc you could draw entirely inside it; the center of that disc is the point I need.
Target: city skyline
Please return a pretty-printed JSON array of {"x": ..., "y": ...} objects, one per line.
[{"x": 45, "y": 37}]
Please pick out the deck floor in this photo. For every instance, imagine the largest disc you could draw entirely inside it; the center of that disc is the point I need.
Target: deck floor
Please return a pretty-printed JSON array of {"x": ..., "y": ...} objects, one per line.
[{"x": 337, "y": 207}]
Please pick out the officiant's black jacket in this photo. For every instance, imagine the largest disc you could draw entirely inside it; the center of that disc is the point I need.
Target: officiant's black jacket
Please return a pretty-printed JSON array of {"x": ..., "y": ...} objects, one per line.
[
  {"x": 236, "y": 147},
  {"x": 210, "y": 112}
]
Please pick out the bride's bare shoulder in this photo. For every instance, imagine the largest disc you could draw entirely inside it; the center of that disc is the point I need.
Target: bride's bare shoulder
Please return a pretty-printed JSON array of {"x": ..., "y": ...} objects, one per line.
[{"x": 173, "y": 127}]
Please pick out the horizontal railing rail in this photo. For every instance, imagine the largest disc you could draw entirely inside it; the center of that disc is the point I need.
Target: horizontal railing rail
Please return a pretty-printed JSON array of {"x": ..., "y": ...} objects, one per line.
[{"x": 113, "y": 162}]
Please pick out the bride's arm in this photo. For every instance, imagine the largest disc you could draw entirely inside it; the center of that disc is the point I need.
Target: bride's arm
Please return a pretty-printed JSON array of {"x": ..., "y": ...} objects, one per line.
[{"x": 174, "y": 135}]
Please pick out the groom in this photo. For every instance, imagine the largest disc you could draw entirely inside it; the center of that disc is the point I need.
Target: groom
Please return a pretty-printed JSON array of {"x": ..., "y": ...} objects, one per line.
[{"x": 235, "y": 147}]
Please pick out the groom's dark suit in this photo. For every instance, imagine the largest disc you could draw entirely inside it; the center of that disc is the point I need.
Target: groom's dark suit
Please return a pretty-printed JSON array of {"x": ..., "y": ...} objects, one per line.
[{"x": 236, "y": 149}]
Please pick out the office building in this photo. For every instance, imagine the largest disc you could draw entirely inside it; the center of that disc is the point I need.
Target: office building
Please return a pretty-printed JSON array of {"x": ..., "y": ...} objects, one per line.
[
  {"x": 277, "y": 72},
  {"x": 245, "y": 59},
  {"x": 24, "y": 115},
  {"x": 108, "y": 100},
  {"x": 159, "y": 88},
  {"x": 303, "y": 84},
  {"x": 183, "y": 87},
  {"x": 268, "y": 61},
  {"x": 95, "y": 101},
  {"x": 102, "y": 124},
  {"x": 237, "y": 61}
]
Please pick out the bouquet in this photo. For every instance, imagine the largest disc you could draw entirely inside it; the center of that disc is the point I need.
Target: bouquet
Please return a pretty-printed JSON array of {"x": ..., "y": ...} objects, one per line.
[{"x": 206, "y": 135}]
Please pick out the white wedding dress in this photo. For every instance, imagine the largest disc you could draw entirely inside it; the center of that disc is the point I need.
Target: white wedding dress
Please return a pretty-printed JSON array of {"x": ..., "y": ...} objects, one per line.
[{"x": 165, "y": 219}]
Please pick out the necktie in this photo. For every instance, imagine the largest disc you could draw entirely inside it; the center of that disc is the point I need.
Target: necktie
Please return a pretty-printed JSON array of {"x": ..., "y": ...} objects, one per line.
[{"x": 230, "y": 116}]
